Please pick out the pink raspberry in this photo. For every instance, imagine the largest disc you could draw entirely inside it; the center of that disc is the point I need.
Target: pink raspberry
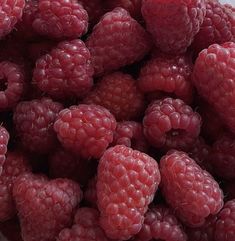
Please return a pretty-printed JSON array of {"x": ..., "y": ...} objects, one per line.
[
  {"x": 170, "y": 123},
  {"x": 85, "y": 228},
  {"x": 118, "y": 93},
  {"x": 126, "y": 183},
  {"x": 4, "y": 139},
  {"x": 160, "y": 223},
  {"x": 167, "y": 74},
  {"x": 44, "y": 207},
  {"x": 90, "y": 194},
  {"x": 16, "y": 164},
  {"x": 66, "y": 72},
  {"x": 173, "y": 24},
  {"x": 111, "y": 51},
  {"x": 61, "y": 19},
  {"x": 34, "y": 121},
  {"x": 191, "y": 191},
  {"x": 217, "y": 85},
  {"x": 86, "y": 130}
]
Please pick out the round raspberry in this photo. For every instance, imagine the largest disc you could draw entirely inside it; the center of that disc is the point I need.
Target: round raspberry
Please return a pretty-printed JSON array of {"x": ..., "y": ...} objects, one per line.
[
  {"x": 119, "y": 94},
  {"x": 126, "y": 183},
  {"x": 161, "y": 224},
  {"x": 90, "y": 194},
  {"x": 34, "y": 121},
  {"x": 86, "y": 130},
  {"x": 170, "y": 75},
  {"x": 10, "y": 12},
  {"x": 4, "y": 138},
  {"x": 170, "y": 123},
  {"x": 191, "y": 191},
  {"x": 65, "y": 72},
  {"x": 61, "y": 19},
  {"x": 12, "y": 85}
]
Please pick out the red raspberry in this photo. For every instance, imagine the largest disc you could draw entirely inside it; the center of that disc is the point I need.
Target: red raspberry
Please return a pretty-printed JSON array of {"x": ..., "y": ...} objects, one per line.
[
  {"x": 85, "y": 227},
  {"x": 61, "y": 19},
  {"x": 218, "y": 26},
  {"x": 119, "y": 94},
  {"x": 34, "y": 124},
  {"x": 110, "y": 50},
  {"x": 191, "y": 191},
  {"x": 10, "y": 12},
  {"x": 44, "y": 207},
  {"x": 173, "y": 24},
  {"x": 12, "y": 85},
  {"x": 86, "y": 130},
  {"x": 168, "y": 74},
  {"x": 16, "y": 164},
  {"x": 90, "y": 194},
  {"x": 65, "y": 72},
  {"x": 4, "y": 138},
  {"x": 161, "y": 224},
  {"x": 130, "y": 134},
  {"x": 213, "y": 76},
  {"x": 170, "y": 123},
  {"x": 126, "y": 183},
  {"x": 224, "y": 230}
]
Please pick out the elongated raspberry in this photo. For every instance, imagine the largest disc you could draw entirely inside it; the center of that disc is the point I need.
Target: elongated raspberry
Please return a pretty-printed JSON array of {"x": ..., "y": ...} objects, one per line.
[
  {"x": 60, "y": 19},
  {"x": 191, "y": 191},
  {"x": 117, "y": 40},
  {"x": 4, "y": 139},
  {"x": 173, "y": 23},
  {"x": 170, "y": 123},
  {"x": 217, "y": 85},
  {"x": 34, "y": 121},
  {"x": 118, "y": 93},
  {"x": 126, "y": 183},
  {"x": 86, "y": 130},
  {"x": 161, "y": 224},
  {"x": 65, "y": 72},
  {"x": 44, "y": 207},
  {"x": 90, "y": 194}
]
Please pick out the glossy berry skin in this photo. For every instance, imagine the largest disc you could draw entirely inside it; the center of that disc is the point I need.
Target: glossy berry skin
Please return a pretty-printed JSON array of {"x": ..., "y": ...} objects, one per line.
[
  {"x": 34, "y": 121},
  {"x": 217, "y": 85},
  {"x": 118, "y": 93},
  {"x": 4, "y": 139},
  {"x": 160, "y": 223},
  {"x": 116, "y": 41},
  {"x": 170, "y": 123},
  {"x": 86, "y": 130},
  {"x": 126, "y": 183},
  {"x": 66, "y": 72},
  {"x": 44, "y": 207},
  {"x": 191, "y": 191},
  {"x": 85, "y": 227},
  {"x": 61, "y": 19},
  {"x": 173, "y": 23}
]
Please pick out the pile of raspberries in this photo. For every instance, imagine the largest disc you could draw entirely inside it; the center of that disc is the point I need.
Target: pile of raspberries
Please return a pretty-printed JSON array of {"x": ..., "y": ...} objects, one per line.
[{"x": 117, "y": 120}]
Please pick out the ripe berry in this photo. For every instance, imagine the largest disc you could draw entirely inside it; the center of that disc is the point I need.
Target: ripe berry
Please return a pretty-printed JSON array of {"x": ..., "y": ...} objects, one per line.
[{"x": 4, "y": 138}]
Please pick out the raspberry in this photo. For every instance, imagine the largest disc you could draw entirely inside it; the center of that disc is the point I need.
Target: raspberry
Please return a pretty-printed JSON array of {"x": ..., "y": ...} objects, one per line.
[
  {"x": 170, "y": 123},
  {"x": 61, "y": 19},
  {"x": 161, "y": 224},
  {"x": 44, "y": 207},
  {"x": 12, "y": 85},
  {"x": 4, "y": 138},
  {"x": 224, "y": 230},
  {"x": 16, "y": 164},
  {"x": 116, "y": 41},
  {"x": 126, "y": 183},
  {"x": 119, "y": 94},
  {"x": 189, "y": 190},
  {"x": 168, "y": 74},
  {"x": 34, "y": 121},
  {"x": 213, "y": 77},
  {"x": 218, "y": 26},
  {"x": 173, "y": 24},
  {"x": 90, "y": 194},
  {"x": 66, "y": 71},
  {"x": 86, "y": 130},
  {"x": 85, "y": 227},
  {"x": 130, "y": 134},
  {"x": 10, "y": 12}
]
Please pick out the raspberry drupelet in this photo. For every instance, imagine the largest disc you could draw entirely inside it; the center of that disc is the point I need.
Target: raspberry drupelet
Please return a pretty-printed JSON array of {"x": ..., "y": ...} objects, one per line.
[
  {"x": 4, "y": 139},
  {"x": 126, "y": 184},
  {"x": 170, "y": 123}
]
